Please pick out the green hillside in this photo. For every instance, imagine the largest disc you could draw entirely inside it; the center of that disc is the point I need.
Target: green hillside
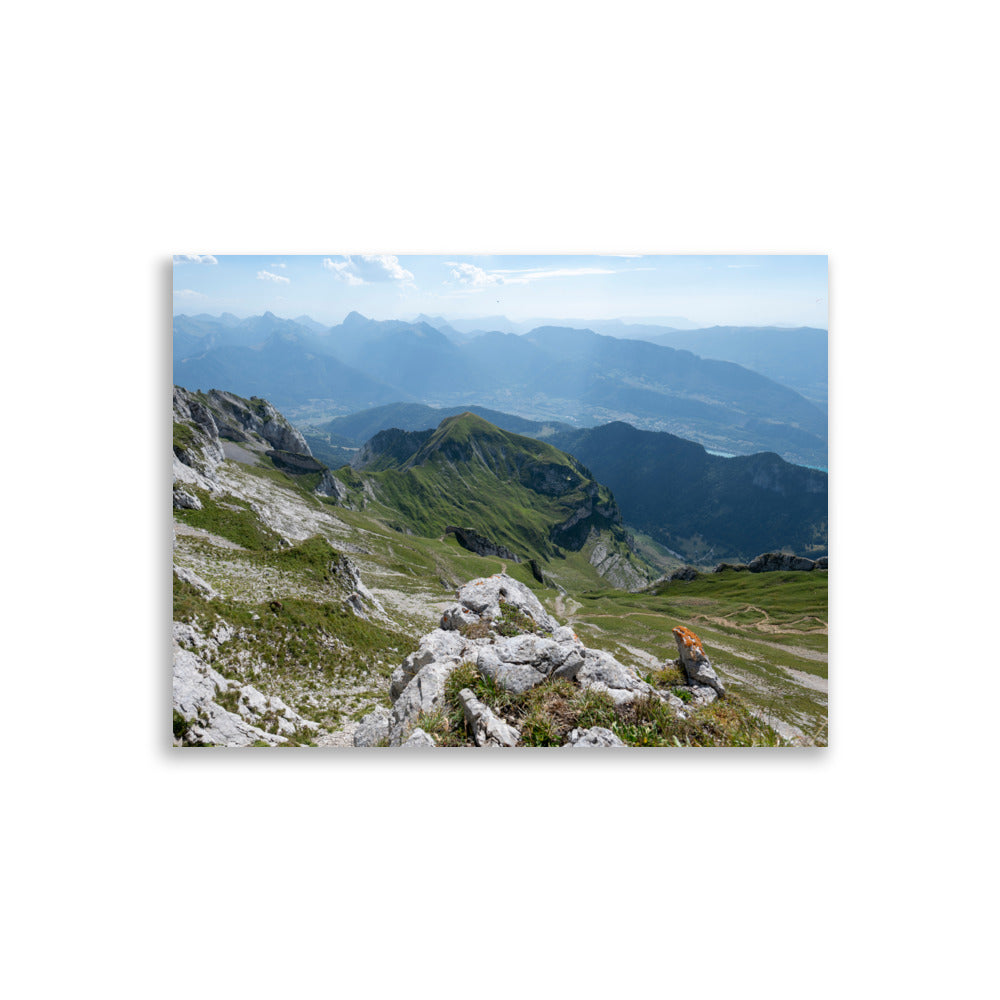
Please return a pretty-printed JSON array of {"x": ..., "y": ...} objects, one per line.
[
  {"x": 299, "y": 606},
  {"x": 518, "y": 492}
]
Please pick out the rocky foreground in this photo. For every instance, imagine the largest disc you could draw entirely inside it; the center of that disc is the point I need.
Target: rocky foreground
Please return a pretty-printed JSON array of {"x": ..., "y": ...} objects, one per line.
[{"x": 499, "y": 633}]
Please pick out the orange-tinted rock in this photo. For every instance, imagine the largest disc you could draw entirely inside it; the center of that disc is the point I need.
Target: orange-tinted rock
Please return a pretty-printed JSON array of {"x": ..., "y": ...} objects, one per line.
[{"x": 695, "y": 662}]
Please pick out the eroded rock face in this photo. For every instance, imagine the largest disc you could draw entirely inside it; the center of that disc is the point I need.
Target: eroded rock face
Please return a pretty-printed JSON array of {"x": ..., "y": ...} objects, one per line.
[
  {"x": 196, "y": 686},
  {"x": 773, "y": 562},
  {"x": 184, "y": 500},
  {"x": 238, "y": 418},
  {"x": 361, "y": 600},
  {"x": 616, "y": 568},
  {"x": 488, "y": 730},
  {"x": 596, "y": 736},
  {"x": 330, "y": 486},
  {"x": 695, "y": 661},
  {"x": 602, "y": 672},
  {"x": 374, "y": 728},
  {"x": 198, "y": 689},
  {"x": 480, "y": 544},
  {"x": 482, "y": 598},
  {"x": 515, "y": 662},
  {"x": 418, "y": 739},
  {"x": 197, "y": 450},
  {"x": 685, "y": 573},
  {"x": 424, "y": 693},
  {"x": 189, "y": 576}
]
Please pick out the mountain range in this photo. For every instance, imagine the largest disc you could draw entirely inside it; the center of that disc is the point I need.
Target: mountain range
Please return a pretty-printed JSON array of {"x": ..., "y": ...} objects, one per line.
[
  {"x": 300, "y": 596},
  {"x": 698, "y": 505},
  {"x": 551, "y": 373},
  {"x": 703, "y": 506}
]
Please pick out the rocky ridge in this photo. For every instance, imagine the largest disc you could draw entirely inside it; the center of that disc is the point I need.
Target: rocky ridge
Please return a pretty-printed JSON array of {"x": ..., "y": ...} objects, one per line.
[{"x": 500, "y": 628}]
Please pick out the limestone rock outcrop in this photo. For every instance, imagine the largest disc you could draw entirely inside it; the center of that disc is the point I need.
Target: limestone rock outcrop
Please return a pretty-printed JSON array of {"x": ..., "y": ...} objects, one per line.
[
  {"x": 775, "y": 562},
  {"x": 772, "y": 562},
  {"x": 488, "y": 730},
  {"x": 500, "y": 627},
  {"x": 695, "y": 661},
  {"x": 480, "y": 544},
  {"x": 595, "y": 736},
  {"x": 240, "y": 419},
  {"x": 373, "y": 728},
  {"x": 197, "y": 450},
  {"x": 360, "y": 599},
  {"x": 247, "y": 717}
]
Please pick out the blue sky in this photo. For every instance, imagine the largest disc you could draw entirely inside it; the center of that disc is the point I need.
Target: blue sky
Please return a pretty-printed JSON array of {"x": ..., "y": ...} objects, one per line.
[{"x": 746, "y": 290}]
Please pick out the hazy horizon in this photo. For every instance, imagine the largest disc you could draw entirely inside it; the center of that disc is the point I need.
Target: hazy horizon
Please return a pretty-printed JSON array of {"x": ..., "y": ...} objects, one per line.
[{"x": 703, "y": 290}]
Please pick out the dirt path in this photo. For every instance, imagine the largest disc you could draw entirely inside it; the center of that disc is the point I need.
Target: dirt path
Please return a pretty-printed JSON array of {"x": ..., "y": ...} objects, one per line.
[
  {"x": 566, "y": 606},
  {"x": 765, "y": 624}
]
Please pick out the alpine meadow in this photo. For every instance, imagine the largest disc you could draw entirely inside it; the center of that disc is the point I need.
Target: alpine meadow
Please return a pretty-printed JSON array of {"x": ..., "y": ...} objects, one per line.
[{"x": 503, "y": 501}]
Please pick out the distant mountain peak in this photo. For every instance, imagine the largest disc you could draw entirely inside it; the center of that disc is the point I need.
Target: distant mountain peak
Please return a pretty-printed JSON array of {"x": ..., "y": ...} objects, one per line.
[{"x": 354, "y": 319}]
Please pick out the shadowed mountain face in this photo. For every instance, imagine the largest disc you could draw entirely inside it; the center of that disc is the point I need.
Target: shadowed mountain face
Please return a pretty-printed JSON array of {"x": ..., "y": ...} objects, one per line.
[
  {"x": 700, "y": 505},
  {"x": 552, "y": 373}
]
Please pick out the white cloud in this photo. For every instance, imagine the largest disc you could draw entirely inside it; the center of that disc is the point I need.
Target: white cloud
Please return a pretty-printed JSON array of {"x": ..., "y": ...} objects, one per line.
[
  {"x": 363, "y": 269},
  {"x": 268, "y": 276},
  {"x": 342, "y": 269},
  {"x": 194, "y": 258},
  {"x": 476, "y": 277},
  {"x": 282, "y": 266},
  {"x": 469, "y": 274},
  {"x": 188, "y": 293}
]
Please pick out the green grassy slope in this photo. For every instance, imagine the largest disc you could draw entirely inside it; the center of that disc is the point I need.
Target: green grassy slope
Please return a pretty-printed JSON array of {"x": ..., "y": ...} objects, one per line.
[
  {"x": 518, "y": 492},
  {"x": 766, "y": 634}
]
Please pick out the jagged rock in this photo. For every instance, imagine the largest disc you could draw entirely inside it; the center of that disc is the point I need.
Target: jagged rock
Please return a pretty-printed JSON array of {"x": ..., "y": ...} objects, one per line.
[
  {"x": 373, "y": 728},
  {"x": 602, "y": 672},
  {"x": 488, "y": 730},
  {"x": 685, "y": 573},
  {"x": 695, "y": 662},
  {"x": 418, "y": 738},
  {"x": 238, "y": 418},
  {"x": 361, "y": 601},
  {"x": 616, "y": 568},
  {"x": 184, "y": 500},
  {"x": 514, "y": 677},
  {"x": 195, "y": 687},
  {"x": 703, "y": 695},
  {"x": 522, "y": 661},
  {"x": 590, "y": 514},
  {"x": 439, "y": 645},
  {"x": 739, "y": 567},
  {"x": 596, "y": 736},
  {"x": 424, "y": 693},
  {"x": 330, "y": 486},
  {"x": 480, "y": 544},
  {"x": 357, "y": 606},
  {"x": 293, "y": 462},
  {"x": 197, "y": 450},
  {"x": 771, "y": 562},
  {"x": 188, "y": 636},
  {"x": 516, "y": 663},
  {"x": 482, "y": 597},
  {"x": 455, "y": 617},
  {"x": 188, "y": 576},
  {"x": 821, "y": 563}
]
